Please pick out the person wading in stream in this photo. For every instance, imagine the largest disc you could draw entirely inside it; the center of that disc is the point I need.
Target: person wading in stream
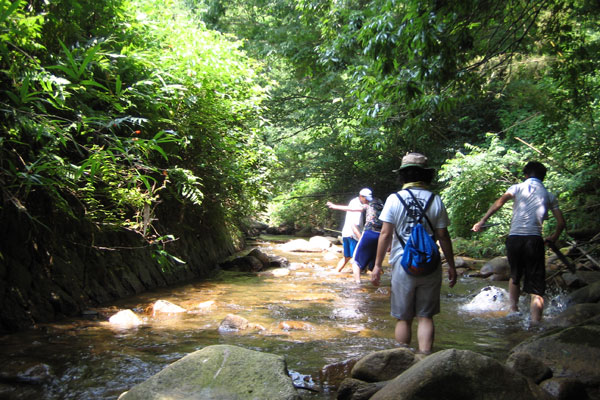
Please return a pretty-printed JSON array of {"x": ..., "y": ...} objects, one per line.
[
  {"x": 351, "y": 232},
  {"x": 524, "y": 245},
  {"x": 366, "y": 249},
  {"x": 414, "y": 296}
]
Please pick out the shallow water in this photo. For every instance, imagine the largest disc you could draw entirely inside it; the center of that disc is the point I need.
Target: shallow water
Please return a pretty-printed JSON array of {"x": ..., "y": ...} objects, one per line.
[{"x": 335, "y": 318}]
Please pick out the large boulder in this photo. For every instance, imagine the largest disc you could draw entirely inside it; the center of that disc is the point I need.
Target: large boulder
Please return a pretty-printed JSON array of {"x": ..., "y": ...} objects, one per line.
[
  {"x": 497, "y": 269},
  {"x": 383, "y": 365},
  {"x": 587, "y": 294},
  {"x": 572, "y": 352},
  {"x": 574, "y": 315},
  {"x": 460, "y": 374},
  {"x": 355, "y": 389},
  {"x": 529, "y": 366},
  {"x": 219, "y": 372}
]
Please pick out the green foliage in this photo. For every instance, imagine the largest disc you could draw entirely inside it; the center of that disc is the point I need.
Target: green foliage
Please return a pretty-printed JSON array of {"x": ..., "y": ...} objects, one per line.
[
  {"x": 302, "y": 206},
  {"x": 473, "y": 182},
  {"x": 108, "y": 106}
]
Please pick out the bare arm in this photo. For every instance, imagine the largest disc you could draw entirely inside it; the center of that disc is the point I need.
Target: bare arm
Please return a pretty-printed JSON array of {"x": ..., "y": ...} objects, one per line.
[
  {"x": 385, "y": 239},
  {"x": 346, "y": 208},
  {"x": 446, "y": 244},
  {"x": 492, "y": 210},
  {"x": 560, "y": 225}
]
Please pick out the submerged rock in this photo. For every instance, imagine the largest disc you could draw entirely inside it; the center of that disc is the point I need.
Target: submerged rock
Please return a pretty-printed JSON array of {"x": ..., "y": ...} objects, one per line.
[
  {"x": 219, "y": 372},
  {"x": 233, "y": 323},
  {"x": 166, "y": 307},
  {"x": 125, "y": 319},
  {"x": 490, "y": 298}
]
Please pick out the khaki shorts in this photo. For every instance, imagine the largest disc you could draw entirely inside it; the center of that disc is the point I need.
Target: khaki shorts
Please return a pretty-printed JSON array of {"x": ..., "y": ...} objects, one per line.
[{"x": 415, "y": 296}]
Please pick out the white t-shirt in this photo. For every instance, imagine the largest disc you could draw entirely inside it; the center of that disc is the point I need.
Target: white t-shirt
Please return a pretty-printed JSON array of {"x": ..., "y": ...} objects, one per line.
[
  {"x": 395, "y": 213},
  {"x": 352, "y": 218},
  {"x": 530, "y": 208}
]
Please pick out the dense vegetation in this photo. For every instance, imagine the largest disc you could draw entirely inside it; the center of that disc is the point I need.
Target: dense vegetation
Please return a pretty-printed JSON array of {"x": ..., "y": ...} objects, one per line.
[{"x": 110, "y": 108}]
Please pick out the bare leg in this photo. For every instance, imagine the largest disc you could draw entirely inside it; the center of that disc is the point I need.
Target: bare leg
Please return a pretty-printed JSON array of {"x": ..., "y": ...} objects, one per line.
[
  {"x": 342, "y": 263},
  {"x": 536, "y": 308},
  {"x": 356, "y": 273},
  {"x": 425, "y": 334},
  {"x": 403, "y": 332},
  {"x": 514, "y": 290}
]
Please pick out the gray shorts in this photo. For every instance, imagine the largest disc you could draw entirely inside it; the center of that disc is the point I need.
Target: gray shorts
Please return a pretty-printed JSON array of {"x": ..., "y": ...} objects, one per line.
[{"x": 415, "y": 296}]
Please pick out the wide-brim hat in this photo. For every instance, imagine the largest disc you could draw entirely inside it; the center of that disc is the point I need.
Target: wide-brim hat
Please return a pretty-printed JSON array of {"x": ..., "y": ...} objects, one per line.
[{"x": 414, "y": 160}]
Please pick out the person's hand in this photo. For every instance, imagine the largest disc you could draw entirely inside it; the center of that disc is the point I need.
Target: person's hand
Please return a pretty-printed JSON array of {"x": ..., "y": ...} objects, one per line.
[
  {"x": 376, "y": 275},
  {"x": 477, "y": 226},
  {"x": 452, "y": 276},
  {"x": 329, "y": 204}
]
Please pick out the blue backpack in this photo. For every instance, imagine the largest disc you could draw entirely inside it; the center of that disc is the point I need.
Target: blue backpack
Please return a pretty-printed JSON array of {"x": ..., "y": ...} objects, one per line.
[{"x": 421, "y": 254}]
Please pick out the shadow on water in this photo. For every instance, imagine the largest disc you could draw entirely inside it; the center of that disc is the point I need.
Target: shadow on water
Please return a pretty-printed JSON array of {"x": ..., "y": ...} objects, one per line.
[{"x": 314, "y": 317}]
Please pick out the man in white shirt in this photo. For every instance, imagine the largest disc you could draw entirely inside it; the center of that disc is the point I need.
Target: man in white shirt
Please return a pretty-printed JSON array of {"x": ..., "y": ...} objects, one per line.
[
  {"x": 353, "y": 223},
  {"x": 525, "y": 245}
]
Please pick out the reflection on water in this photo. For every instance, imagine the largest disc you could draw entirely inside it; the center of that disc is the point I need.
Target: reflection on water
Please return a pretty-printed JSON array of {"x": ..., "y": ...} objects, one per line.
[{"x": 314, "y": 316}]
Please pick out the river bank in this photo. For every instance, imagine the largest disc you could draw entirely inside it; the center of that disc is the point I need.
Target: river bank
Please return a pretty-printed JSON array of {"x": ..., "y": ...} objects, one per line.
[{"x": 60, "y": 266}]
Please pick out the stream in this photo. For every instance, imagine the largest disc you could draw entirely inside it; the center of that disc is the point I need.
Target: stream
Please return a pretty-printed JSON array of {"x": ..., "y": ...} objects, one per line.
[{"x": 314, "y": 316}]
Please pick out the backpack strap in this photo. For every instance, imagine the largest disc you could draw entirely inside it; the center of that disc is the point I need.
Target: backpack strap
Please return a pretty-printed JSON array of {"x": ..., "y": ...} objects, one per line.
[{"x": 423, "y": 212}]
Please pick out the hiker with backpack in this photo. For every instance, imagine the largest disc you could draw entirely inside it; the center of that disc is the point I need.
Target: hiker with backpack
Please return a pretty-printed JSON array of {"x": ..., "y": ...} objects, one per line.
[{"x": 413, "y": 219}]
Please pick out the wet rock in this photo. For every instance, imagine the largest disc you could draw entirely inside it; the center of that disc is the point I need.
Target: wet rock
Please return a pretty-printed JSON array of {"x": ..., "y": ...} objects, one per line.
[
  {"x": 261, "y": 256},
  {"x": 460, "y": 374},
  {"x": 573, "y": 281},
  {"x": 334, "y": 374},
  {"x": 166, "y": 307},
  {"x": 300, "y": 245},
  {"x": 355, "y": 389},
  {"x": 497, "y": 268},
  {"x": 203, "y": 307},
  {"x": 125, "y": 319},
  {"x": 233, "y": 323},
  {"x": 565, "y": 388},
  {"x": 572, "y": 352},
  {"x": 243, "y": 264},
  {"x": 529, "y": 366},
  {"x": 574, "y": 315},
  {"x": 383, "y": 365},
  {"x": 587, "y": 294},
  {"x": 490, "y": 298},
  {"x": 278, "y": 262},
  {"x": 36, "y": 374},
  {"x": 295, "y": 326},
  {"x": 321, "y": 242},
  {"x": 219, "y": 372},
  {"x": 275, "y": 272}
]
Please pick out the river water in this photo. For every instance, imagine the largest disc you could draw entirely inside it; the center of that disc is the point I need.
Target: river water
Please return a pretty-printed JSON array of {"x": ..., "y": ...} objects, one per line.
[{"x": 331, "y": 318}]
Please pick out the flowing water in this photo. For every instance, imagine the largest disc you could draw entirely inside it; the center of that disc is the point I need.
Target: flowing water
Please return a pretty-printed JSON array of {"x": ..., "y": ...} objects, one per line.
[{"x": 314, "y": 317}]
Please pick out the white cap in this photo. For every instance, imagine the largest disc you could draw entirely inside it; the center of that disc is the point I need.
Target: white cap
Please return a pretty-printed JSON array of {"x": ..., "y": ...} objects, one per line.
[{"x": 367, "y": 194}]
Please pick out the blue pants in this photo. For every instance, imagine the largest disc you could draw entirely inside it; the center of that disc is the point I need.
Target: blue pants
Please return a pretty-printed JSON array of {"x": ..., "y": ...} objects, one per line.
[{"x": 366, "y": 250}]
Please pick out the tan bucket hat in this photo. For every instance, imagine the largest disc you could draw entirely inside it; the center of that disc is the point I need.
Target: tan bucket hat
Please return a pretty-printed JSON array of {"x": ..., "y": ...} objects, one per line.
[{"x": 414, "y": 160}]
